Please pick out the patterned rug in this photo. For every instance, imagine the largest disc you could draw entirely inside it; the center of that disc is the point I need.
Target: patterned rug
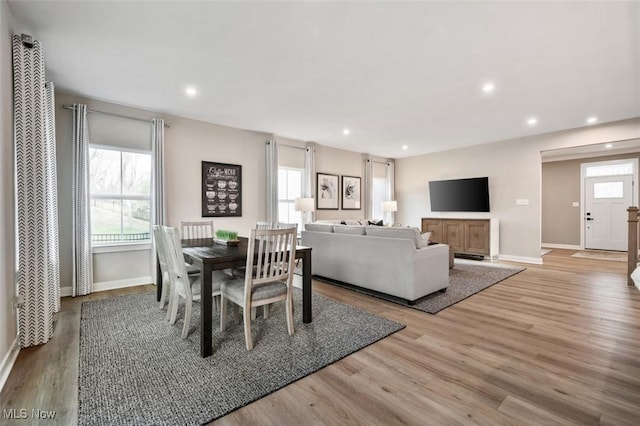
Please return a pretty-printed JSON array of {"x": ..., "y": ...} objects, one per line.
[
  {"x": 135, "y": 369},
  {"x": 466, "y": 278}
]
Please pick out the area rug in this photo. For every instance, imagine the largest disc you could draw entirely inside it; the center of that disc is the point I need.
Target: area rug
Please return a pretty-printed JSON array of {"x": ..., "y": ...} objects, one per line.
[
  {"x": 614, "y": 256},
  {"x": 135, "y": 369},
  {"x": 466, "y": 278}
]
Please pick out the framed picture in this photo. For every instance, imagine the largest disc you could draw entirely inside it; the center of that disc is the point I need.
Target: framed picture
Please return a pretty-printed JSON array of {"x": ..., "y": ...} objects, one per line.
[
  {"x": 221, "y": 189},
  {"x": 327, "y": 191},
  {"x": 350, "y": 193}
]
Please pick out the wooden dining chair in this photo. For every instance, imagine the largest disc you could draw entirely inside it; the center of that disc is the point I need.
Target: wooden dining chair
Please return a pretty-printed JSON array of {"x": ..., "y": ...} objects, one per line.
[
  {"x": 183, "y": 286},
  {"x": 202, "y": 229},
  {"x": 272, "y": 281}
]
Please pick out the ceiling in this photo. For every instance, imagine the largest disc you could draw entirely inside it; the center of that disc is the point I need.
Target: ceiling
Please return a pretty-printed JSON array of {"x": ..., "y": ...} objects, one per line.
[{"x": 393, "y": 73}]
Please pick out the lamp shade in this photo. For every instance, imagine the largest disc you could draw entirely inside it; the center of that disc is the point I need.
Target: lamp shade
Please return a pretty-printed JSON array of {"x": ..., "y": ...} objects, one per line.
[
  {"x": 389, "y": 206},
  {"x": 303, "y": 204}
]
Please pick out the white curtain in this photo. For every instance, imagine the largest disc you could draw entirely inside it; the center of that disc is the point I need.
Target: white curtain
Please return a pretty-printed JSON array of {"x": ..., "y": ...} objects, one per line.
[
  {"x": 157, "y": 153},
  {"x": 368, "y": 188},
  {"x": 309, "y": 174},
  {"x": 82, "y": 274},
  {"x": 36, "y": 186},
  {"x": 391, "y": 192},
  {"x": 272, "y": 181}
]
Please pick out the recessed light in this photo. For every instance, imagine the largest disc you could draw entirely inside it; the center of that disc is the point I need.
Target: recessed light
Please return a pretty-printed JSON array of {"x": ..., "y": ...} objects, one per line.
[
  {"x": 191, "y": 91},
  {"x": 488, "y": 87},
  {"x": 532, "y": 121},
  {"x": 346, "y": 131},
  {"x": 609, "y": 145},
  {"x": 592, "y": 120},
  {"x": 405, "y": 147}
]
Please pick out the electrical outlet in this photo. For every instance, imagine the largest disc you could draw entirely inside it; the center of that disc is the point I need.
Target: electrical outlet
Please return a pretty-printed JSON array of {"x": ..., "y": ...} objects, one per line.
[{"x": 522, "y": 202}]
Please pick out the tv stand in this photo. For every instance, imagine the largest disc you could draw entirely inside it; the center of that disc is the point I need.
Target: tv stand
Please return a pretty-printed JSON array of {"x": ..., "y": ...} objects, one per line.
[{"x": 477, "y": 237}]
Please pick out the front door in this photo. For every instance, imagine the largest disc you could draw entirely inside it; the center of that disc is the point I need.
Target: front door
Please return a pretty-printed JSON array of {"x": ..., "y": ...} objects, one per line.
[{"x": 606, "y": 203}]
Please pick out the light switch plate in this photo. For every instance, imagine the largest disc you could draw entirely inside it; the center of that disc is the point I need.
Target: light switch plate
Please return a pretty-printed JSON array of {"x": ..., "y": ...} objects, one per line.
[
  {"x": 576, "y": 204},
  {"x": 522, "y": 202}
]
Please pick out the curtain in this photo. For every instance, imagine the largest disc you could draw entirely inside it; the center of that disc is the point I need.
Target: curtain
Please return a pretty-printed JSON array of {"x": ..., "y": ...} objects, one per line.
[
  {"x": 391, "y": 193},
  {"x": 272, "y": 181},
  {"x": 82, "y": 274},
  {"x": 368, "y": 188},
  {"x": 157, "y": 154},
  {"x": 36, "y": 186},
  {"x": 309, "y": 174}
]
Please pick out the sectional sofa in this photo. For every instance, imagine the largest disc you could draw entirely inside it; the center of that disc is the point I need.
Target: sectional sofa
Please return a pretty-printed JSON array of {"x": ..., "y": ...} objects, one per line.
[{"x": 397, "y": 262}]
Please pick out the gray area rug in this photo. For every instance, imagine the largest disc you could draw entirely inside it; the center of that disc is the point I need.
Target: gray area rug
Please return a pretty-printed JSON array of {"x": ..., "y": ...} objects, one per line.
[
  {"x": 614, "y": 256},
  {"x": 135, "y": 369},
  {"x": 466, "y": 278}
]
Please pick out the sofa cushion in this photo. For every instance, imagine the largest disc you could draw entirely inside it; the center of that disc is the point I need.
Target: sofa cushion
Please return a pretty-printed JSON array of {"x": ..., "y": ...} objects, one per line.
[
  {"x": 319, "y": 227},
  {"x": 406, "y": 233},
  {"x": 352, "y": 222},
  {"x": 349, "y": 229}
]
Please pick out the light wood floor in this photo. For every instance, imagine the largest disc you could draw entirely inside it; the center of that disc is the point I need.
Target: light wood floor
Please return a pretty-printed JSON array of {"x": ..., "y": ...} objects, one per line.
[{"x": 555, "y": 344}]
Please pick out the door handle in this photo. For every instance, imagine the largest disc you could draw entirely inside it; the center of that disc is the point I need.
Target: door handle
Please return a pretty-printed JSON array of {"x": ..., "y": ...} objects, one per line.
[{"x": 589, "y": 218}]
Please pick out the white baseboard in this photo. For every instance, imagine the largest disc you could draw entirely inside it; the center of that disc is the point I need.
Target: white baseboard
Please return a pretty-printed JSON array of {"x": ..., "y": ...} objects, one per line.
[
  {"x": 562, "y": 246},
  {"x": 7, "y": 363},
  {"x": 111, "y": 285},
  {"x": 521, "y": 259}
]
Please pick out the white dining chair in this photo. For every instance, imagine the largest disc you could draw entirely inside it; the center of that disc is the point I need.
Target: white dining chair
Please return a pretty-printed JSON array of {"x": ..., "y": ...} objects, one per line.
[
  {"x": 272, "y": 281},
  {"x": 201, "y": 229},
  {"x": 182, "y": 287},
  {"x": 165, "y": 294}
]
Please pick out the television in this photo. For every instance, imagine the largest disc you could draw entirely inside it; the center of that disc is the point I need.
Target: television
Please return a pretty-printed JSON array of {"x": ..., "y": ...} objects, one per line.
[{"x": 460, "y": 195}]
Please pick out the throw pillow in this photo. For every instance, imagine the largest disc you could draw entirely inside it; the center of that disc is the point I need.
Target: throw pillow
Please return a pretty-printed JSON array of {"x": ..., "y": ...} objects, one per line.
[
  {"x": 376, "y": 223},
  {"x": 426, "y": 238}
]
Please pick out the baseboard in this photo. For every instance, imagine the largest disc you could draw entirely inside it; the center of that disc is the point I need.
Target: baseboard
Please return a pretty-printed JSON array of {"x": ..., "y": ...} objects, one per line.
[
  {"x": 521, "y": 259},
  {"x": 561, "y": 246},
  {"x": 111, "y": 285},
  {"x": 7, "y": 363}
]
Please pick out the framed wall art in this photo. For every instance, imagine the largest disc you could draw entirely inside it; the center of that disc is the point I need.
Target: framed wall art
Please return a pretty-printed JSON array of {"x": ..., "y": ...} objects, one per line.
[
  {"x": 327, "y": 192},
  {"x": 221, "y": 189},
  {"x": 351, "y": 193}
]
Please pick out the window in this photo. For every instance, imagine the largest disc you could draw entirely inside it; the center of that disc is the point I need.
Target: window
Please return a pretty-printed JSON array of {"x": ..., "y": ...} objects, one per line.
[
  {"x": 120, "y": 192},
  {"x": 379, "y": 195},
  {"x": 610, "y": 170},
  {"x": 608, "y": 190},
  {"x": 289, "y": 188}
]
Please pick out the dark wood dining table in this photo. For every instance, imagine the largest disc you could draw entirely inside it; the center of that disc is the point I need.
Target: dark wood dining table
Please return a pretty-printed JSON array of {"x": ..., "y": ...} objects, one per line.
[{"x": 210, "y": 257}]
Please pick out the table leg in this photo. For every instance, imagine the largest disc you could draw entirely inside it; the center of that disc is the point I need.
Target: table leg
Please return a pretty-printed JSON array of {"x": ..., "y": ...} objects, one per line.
[
  {"x": 158, "y": 282},
  {"x": 206, "y": 312},
  {"x": 306, "y": 288}
]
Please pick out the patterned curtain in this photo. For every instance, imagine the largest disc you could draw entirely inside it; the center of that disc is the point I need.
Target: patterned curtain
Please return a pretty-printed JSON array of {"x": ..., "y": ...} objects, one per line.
[
  {"x": 390, "y": 175},
  {"x": 82, "y": 274},
  {"x": 157, "y": 152},
  {"x": 272, "y": 181},
  {"x": 309, "y": 174},
  {"x": 368, "y": 188},
  {"x": 36, "y": 206}
]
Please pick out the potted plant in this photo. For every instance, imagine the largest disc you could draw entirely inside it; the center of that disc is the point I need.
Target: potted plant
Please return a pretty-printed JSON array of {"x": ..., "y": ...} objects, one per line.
[{"x": 226, "y": 237}]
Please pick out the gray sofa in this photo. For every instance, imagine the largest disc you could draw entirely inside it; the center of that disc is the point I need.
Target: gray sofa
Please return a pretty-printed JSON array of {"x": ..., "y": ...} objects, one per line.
[{"x": 393, "y": 261}]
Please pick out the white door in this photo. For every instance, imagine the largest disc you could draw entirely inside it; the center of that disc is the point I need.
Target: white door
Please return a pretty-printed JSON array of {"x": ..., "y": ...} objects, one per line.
[{"x": 606, "y": 203}]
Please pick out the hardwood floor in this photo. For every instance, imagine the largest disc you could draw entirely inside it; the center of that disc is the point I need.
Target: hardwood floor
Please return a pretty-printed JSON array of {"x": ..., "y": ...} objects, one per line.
[{"x": 555, "y": 344}]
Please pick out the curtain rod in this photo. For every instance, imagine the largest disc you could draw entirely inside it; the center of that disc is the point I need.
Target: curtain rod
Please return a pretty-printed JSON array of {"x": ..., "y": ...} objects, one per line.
[
  {"x": 291, "y": 146},
  {"x": 126, "y": 117}
]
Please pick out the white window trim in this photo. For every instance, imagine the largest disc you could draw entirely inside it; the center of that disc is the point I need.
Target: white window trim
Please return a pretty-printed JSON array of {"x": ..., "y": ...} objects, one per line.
[{"x": 120, "y": 246}]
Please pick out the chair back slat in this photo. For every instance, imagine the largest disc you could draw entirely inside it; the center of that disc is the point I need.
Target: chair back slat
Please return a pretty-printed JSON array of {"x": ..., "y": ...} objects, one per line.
[
  {"x": 268, "y": 253},
  {"x": 202, "y": 229}
]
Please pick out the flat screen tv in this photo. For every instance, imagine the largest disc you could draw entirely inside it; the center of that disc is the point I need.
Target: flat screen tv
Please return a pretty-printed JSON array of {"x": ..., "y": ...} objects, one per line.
[{"x": 460, "y": 195}]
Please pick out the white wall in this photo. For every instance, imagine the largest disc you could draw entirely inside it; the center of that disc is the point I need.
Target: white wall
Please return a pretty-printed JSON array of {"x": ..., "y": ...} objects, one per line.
[
  {"x": 8, "y": 328},
  {"x": 514, "y": 171}
]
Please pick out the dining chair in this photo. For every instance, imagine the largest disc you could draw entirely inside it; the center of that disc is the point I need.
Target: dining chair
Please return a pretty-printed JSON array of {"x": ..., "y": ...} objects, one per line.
[
  {"x": 183, "y": 286},
  {"x": 272, "y": 281},
  {"x": 165, "y": 295},
  {"x": 202, "y": 229}
]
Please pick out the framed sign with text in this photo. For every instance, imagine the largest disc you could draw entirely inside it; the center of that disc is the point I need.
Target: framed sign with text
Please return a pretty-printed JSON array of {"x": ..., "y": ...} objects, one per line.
[{"x": 221, "y": 189}]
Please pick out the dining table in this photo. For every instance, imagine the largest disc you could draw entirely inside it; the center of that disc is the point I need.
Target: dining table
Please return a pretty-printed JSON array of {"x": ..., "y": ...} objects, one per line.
[{"x": 210, "y": 256}]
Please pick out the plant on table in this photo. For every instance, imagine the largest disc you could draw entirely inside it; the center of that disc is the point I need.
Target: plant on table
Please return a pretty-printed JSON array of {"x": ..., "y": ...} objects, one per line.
[{"x": 224, "y": 235}]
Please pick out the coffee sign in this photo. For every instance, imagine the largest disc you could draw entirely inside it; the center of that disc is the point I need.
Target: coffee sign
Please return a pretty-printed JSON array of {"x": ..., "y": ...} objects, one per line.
[{"x": 221, "y": 189}]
